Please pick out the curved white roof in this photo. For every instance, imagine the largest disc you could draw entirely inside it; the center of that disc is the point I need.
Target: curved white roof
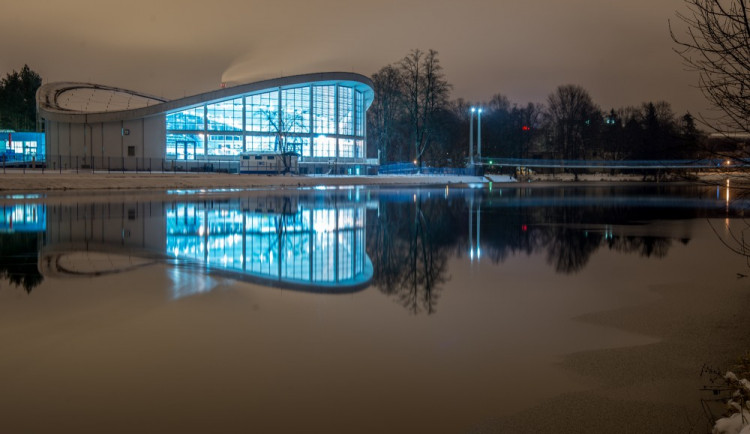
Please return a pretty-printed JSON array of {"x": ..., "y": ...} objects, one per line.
[
  {"x": 91, "y": 98},
  {"x": 87, "y": 102}
]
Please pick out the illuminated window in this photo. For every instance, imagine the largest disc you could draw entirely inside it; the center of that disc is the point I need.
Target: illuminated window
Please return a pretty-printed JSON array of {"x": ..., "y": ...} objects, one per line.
[
  {"x": 260, "y": 143},
  {"x": 187, "y": 120},
  {"x": 300, "y": 145},
  {"x": 346, "y": 148},
  {"x": 184, "y": 146},
  {"x": 359, "y": 147},
  {"x": 324, "y": 107},
  {"x": 225, "y": 115},
  {"x": 324, "y": 147},
  {"x": 295, "y": 114},
  {"x": 346, "y": 111},
  {"x": 224, "y": 145},
  {"x": 262, "y": 112},
  {"x": 360, "y": 108}
]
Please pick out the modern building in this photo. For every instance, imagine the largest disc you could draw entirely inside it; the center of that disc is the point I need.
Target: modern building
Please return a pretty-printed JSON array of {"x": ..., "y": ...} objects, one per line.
[
  {"x": 321, "y": 117},
  {"x": 21, "y": 147}
]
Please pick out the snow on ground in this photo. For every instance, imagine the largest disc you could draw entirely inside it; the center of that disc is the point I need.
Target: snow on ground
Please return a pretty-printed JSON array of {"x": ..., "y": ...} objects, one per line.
[{"x": 37, "y": 181}]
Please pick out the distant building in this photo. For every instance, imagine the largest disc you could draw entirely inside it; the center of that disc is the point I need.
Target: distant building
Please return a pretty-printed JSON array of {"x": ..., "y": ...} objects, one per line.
[
  {"x": 320, "y": 117},
  {"x": 18, "y": 148}
]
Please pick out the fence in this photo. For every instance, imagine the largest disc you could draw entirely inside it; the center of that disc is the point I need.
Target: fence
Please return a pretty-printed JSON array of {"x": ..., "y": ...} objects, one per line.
[
  {"x": 122, "y": 164},
  {"x": 411, "y": 169}
]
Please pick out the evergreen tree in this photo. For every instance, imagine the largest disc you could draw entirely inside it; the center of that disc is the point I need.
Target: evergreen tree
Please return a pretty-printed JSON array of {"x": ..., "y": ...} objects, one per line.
[{"x": 18, "y": 100}]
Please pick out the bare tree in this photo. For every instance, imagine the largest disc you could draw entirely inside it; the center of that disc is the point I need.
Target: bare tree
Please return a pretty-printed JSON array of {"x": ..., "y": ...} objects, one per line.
[
  {"x": 570, "y": 113},
  {"x": 387, "y": 107},
  {"x": 425, "y": 91},
  {"x": 717, "y": 46},
  {"x": 284, "y": 123}
]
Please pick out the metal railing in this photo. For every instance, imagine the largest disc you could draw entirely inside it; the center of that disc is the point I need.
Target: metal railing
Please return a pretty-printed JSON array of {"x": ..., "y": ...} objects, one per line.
[
  {"x": 413, "y": 169},
  {"x": 617, "y": 164},
  {"x": 60, "y": 163}
]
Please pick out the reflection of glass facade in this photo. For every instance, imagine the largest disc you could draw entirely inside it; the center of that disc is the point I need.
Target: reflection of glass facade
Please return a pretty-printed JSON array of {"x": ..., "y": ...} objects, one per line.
[
  {"x": 319, "y": 247},
  {"x": 312, "y": 120},
  {"x": 23, "y": 217}
]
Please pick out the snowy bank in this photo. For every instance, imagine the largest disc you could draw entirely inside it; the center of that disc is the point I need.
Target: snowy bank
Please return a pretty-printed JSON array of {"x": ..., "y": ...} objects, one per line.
[{"x": 47, "y": 181}]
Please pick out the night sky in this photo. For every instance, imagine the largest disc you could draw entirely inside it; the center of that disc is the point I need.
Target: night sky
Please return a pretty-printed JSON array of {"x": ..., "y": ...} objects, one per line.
[{"x": 620, "y": 51}]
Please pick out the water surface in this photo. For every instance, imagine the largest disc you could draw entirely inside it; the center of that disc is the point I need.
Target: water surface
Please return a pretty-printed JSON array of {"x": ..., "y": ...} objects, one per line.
[{"x": 330, "y": 310}]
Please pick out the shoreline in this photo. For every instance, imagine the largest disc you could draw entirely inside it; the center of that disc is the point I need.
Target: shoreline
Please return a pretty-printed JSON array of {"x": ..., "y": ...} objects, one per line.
[{"x": 16, "y": 181}]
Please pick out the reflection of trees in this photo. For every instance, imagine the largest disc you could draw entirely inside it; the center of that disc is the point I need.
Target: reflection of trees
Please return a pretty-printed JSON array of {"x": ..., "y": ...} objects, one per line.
[
  {"x": 569, "y": 250},
  {"x": 656, "y": 247},
  {"x": 409, "y": 246},
  {"x": 570, "y": 234},
  {"x": 18, "y": 259}
]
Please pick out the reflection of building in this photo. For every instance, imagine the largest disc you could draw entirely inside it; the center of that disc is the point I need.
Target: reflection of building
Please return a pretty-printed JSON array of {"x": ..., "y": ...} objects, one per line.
[
  {"x": 321, "y": 117},
  {"x": 22, "y": 217},
  {"x": 292, "y": 242}
]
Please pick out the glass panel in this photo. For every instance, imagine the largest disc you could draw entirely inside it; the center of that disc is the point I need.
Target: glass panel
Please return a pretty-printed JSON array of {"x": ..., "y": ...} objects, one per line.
[
  {"x": 359, "y": 149},
  {"x": 224, "y": 145},
  {"x": 324, "y": 147},
  {"x": 262, "y": 112},
  {"x": 190, "y": 120},
  {"x": 295, "y": 115},
  {"x": 346, "y": 111},
  {"x": 346, "y": 148},
  {"x": 360, "y": 114},
  {"x": 260, "y": 143},
  {"x": 225, "y": 115},
  {"x": 324, "y": 109},
  {"x": 300, "y": 145},
  {"x": 180, "y": 146}
]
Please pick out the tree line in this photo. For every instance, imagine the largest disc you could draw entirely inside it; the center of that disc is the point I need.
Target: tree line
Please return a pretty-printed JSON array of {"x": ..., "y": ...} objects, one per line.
[
  {"x": 18, "y": 100},
  {"x": 413, "y": 118}
]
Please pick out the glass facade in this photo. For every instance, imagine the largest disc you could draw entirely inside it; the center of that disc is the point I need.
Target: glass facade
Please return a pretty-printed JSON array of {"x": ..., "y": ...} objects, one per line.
[
  {"x": 325, "y": 121},
  {"x": 22, "y": 146}
]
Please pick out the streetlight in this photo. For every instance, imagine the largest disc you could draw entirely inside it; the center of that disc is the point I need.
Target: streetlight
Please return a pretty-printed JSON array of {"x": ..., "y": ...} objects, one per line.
[
  {"x": 471, "y": 137},
  {"x": 479, "y": 135}
]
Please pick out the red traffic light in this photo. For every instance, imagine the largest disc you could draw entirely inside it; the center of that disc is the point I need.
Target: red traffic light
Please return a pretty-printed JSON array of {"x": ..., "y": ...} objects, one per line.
[{"x": 526, "y": 128}]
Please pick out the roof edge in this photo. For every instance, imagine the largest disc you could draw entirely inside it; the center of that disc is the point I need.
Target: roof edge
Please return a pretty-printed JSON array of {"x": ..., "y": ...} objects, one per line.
[{"x": 48, "y": 108}]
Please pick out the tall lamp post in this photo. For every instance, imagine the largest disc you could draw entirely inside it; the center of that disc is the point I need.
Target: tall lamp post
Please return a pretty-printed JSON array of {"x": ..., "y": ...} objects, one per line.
[
  {"x": 471, "y": 138},
  {"x": 479, "y": 134}
]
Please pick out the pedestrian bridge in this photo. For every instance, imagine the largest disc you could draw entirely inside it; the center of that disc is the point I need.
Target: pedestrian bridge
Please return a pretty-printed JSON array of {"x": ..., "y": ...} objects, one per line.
[{"x": 713, "y": 163}]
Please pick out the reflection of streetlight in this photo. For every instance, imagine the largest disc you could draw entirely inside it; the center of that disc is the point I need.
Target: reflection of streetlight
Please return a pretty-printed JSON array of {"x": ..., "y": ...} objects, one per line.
[{"x": 471, "y": 137}]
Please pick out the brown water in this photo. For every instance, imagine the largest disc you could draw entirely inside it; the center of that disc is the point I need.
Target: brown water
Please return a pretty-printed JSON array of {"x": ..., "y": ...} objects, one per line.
[{"x": 344, "y": 310}]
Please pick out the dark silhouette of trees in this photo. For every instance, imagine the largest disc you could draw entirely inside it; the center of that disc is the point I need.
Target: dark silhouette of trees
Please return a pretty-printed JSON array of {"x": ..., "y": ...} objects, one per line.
[
  {"x": 716, "y": 45},
  {"x": 572, "y": 118},
  {"x": 386, "y": 111},
  {"x": 426, "y": 92},
  {"x": 411, "y": 119},
  {"x": 18, "y": 100}
]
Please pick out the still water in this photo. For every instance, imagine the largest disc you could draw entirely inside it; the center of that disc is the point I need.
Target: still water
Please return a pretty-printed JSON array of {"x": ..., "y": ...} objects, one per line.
[{"x": 331, "y": 310}]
